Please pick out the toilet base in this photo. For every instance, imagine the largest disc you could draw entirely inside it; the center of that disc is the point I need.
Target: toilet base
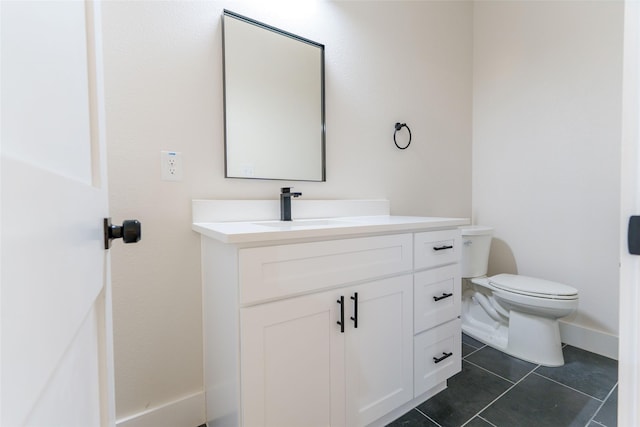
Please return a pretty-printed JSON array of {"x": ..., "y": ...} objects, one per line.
[
  {"x": 530, "y": 338},
  {"x": 535, "y": 339}
]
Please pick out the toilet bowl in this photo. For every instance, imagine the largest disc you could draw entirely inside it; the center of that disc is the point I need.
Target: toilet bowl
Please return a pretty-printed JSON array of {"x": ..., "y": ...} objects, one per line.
[{"x": 512, "y": 313}]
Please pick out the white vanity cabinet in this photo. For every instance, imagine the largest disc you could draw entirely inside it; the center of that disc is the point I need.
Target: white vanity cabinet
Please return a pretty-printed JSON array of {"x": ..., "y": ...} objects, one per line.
[
  {"x": 334, "y": 331},
  {"x": 337, "y": 357},
  {"x": 301, "y": 368}
]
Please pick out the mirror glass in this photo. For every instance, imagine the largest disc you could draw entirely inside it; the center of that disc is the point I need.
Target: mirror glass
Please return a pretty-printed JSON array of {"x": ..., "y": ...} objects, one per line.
[{"x": 274, "y": 102}]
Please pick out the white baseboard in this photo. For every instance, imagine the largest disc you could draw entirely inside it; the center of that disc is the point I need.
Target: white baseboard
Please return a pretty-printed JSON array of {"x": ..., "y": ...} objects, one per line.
[
  {"x": 188, "y": 411},
  {"x": 589, "y": 339}
]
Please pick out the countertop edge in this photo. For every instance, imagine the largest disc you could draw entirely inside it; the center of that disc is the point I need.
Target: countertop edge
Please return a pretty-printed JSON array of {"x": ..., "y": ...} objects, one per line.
[{"x": 416, "y": 224}]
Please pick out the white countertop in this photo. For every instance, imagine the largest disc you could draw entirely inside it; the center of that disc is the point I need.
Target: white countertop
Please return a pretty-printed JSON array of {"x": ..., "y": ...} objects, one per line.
[{"x": 263, "y": 231}]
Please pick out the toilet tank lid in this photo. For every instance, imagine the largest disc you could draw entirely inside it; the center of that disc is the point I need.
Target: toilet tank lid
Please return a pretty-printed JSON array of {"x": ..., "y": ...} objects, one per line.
[
  {"x": 531, "y": 285},
  {"x": 475, "y": 230}
]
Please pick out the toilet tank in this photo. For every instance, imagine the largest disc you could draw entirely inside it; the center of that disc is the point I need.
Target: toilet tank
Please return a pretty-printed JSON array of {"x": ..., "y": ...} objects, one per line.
[{"x": 476, "y": 243}]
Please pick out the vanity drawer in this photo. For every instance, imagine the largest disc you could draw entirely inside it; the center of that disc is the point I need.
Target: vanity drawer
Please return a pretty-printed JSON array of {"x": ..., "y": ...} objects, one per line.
[
  {"x": 435, "y": 248},
  {"x": 437, "y": 356},
  {"x": 436, "y": 296},
  {"x": 278, "y": 271}
]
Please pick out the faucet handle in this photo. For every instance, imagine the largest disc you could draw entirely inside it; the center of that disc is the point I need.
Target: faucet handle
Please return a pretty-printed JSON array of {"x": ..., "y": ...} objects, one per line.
[{"x": 286, "y": 192}]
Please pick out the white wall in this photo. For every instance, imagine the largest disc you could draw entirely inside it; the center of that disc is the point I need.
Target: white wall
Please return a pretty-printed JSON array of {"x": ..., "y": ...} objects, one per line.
[
  {"x": 546, "y": 145},
  {"x": 385, "y": 62}
]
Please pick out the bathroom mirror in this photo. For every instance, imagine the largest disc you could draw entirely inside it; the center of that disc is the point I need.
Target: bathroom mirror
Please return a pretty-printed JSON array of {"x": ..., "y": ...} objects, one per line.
[{"x": 274, "y": 102}]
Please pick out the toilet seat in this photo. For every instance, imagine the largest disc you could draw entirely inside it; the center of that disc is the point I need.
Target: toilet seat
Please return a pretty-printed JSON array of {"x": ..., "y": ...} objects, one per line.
[{"x": 533, "y": 287}]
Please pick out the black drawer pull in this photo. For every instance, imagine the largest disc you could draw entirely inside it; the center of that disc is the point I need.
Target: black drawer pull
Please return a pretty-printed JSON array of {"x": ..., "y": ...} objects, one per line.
[
  {"x": 442, "y": 248},
  {"x": 444, "y": 295},
  {"x": 355, "y": 309},
  {"x": 440, "y": 359},
  {"x": 341, "y": 321}
]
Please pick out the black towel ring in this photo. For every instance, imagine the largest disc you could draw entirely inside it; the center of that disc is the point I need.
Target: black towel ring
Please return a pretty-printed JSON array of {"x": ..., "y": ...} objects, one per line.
[{"x": 398, "y": 127}]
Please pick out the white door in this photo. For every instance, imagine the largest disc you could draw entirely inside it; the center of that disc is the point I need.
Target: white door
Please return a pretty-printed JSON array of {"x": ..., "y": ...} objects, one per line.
[
  {"x": 379, "y": 352},
  {"x": 55, "y": 311},
  {"x": 292, "y": 363},
  {"x": 629, "y": 366}
]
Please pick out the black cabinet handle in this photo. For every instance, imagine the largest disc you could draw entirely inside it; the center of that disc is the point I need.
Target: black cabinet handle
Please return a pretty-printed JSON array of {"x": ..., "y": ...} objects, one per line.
[
  {"x": 355, "y": 309},
  {"x": 341, "y": 321},
  {"x": 442, "y": 248},
  {"x": 444, "y": 356},
  {"x": 444, "y": 295}
]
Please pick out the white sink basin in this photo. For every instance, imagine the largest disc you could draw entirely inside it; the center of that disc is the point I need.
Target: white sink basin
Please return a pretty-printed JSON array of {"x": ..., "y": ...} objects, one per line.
[{"x": 303, "y": 223}]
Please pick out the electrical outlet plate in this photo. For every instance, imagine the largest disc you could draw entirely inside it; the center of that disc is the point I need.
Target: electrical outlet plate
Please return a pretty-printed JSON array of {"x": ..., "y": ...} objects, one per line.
[{"x": 171, "y": 165}]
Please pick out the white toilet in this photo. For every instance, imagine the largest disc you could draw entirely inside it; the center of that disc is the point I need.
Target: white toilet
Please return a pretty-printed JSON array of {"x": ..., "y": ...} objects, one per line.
[{"x": 514, "y": 314}]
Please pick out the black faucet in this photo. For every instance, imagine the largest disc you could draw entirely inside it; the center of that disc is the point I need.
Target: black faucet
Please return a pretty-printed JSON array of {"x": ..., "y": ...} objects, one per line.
[{"x": 285, "y": 203}]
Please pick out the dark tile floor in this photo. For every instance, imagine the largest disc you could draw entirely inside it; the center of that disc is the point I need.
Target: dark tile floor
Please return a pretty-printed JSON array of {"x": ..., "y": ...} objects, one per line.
[{"x": 498, "y": 390}]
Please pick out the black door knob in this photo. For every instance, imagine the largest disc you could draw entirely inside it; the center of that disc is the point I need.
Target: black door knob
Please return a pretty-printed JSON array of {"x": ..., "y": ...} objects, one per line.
[{"x": 130, "y": 231}]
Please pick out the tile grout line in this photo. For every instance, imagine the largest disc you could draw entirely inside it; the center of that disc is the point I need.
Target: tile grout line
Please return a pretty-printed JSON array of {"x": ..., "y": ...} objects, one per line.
[
  {"x": 482, "y": 345},
  {"x": 475, "y": 350},
  {"x": 571, "y": 388},
  {"x": 601, "y": 405},
  {"x": 486, "y": 420},
  {"x": 497, "y": 398},
  {"x": 493, "y": 373},
  {"x": 428, "y": 417}
]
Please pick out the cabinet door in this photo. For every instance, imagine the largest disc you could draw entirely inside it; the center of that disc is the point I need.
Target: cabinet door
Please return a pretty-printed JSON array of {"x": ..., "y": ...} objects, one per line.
[
  {"x": 379, "y": 352},
  {"x": 292, "y": 363}
]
